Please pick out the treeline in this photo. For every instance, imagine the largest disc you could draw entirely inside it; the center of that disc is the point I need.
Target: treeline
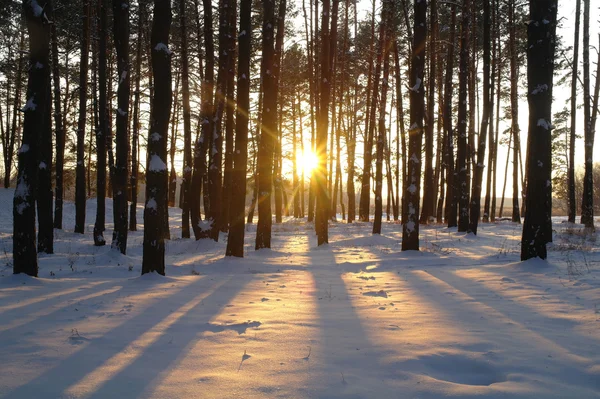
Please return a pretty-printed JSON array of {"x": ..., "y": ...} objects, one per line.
[{"x": 405, "y": 102}]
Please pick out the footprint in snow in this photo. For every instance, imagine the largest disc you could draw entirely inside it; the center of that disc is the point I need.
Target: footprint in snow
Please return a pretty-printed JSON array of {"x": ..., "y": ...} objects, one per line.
[
  {"x": 264, "y": 299},
  {"x": 507, "y": 280}
]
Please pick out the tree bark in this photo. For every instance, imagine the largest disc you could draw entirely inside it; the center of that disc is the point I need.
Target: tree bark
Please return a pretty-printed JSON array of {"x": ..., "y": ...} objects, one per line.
[
  {"x": 412, "y": 192},
  {"x": 514, "y": 110},
  {"x": 156, "y": 170},
  {"x": 59, "y": 131},
  {"x": 541, "y": 36},
  {"x": 451, "y": 192},
  {"x": 136, "y": 126},
  {"x": 587, "y": 203}
]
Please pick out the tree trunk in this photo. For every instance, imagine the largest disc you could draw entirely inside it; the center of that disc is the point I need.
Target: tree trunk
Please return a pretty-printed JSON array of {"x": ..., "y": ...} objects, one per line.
[
  {"x": 10, "y": 145},
  {"x": 323, "y": 201},
  {"x": 59, "y": 131},
  {"x": 121, "y": 39},
  {"x": 136, "y": 126},
  {"x": 156, "y": 171},
  {"x": 481, "y": 145},
  {"x": 412, "y": 192},
  {"x": 80, "y": 194},
  {"x": 514, "y": 110},
  {"x": 587, "y": 203},
  {"x": 44, "y": 188},
  {"x": 268, "y": 128},
  {"x": 452, "y": 190},
  {"x": 201, "y": 145},
  {"x": 187, "y": 127},
  {"x": 38, "y": 87},
  {"x": 429, "y": 186},
  {"x": 541, "y": 36},
  {"x": 235, "y": 240},
  {"x": 463, "y": 149}
]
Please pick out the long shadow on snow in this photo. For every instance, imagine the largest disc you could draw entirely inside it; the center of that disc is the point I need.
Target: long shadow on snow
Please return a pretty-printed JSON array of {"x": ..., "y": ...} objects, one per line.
[
  {"x": 474, "y": 320},
  {"x": 55, "y": 381},
  {"x": 348, "y": 353}
]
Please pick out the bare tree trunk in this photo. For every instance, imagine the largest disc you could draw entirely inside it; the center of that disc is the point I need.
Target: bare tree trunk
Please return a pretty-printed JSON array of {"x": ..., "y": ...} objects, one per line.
[
  {"x": 156, "y": 172},
  {"x": 412, "y": 191},
  {"x": 452, "y": 190},
  {"x": 80, "y": 194},
  {"x": 38, "y": 88},
  {"x": 59, "y": 131},
  {"x": 136, "y": 126},
  {"x": 587, "y": 203},
  {"x": 541, "y": 36},
  {"x": 514, "y": 111}
]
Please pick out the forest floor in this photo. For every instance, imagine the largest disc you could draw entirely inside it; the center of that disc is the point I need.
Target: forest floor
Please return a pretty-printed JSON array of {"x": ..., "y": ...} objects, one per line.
[{"x": 356, "y": 318}]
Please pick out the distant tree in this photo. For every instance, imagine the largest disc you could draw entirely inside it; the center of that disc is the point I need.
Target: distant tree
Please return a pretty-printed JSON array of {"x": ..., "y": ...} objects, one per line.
[
  {"x": 156, "y": 170},
  {"x": 541, "y": 42},
  {"x": 80, "y": 179},
  {"x": 574, "y": 76},
  {"x": 187, "y": 127}
]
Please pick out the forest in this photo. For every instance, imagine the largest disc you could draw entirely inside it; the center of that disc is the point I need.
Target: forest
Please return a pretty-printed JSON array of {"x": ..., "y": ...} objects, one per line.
[{"x": 298, "y": 198}]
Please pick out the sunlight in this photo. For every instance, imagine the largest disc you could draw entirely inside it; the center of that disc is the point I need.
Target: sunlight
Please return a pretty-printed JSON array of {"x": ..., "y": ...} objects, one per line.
[{"x": 306, "y": 161}]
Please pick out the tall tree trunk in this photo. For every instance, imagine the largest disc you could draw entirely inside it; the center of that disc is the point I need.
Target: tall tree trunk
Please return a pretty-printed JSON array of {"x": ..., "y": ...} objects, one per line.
[
  {"x": 103, "y": 123},
  {"x": 229, "y": 122},
  {"x": 235, "y": 240},
  {"x": 587, "y": 203},
  {"x": 311, "y": 83},
  {"x": 121, "y": 39},
  {"x": 187, "y": 127},
  {"x": 156, "y": 171},
  {"x": 475, "y": 210},
  {"x": 295, "y": 182},
  {"x": 412, "y": 192},
  {"x": 201, "y": 145},
  {"x": 429, "y": 186},
  {"x": 38, "y": 88},
  {"x": 59, "y": 131},
  {"x": 573, "y": 132},
  {"x": 80, "y": 194},
  {"x": 44, "y": 187},
  {"x": 10, "y": 146},
  {"x": 136, "y": 126},
  {"x": 541, "y": 42},
  {"x": 462, "y": 154},
  {"x": 365, "y": 191},
  {"x": 268, "y": 136},
  {"x": 382, "y": 55},
  {"x": 514, "y": 110},
  {"x": 323, "y": 201},
  {"x": 452, "y": 190},
  {"x": 173, "y": 138},
  {"x": 400, "y": 111}
]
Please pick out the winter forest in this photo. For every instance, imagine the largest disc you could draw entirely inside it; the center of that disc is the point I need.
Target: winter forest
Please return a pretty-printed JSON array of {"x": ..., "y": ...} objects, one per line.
[{"x": 298, "y": 198}]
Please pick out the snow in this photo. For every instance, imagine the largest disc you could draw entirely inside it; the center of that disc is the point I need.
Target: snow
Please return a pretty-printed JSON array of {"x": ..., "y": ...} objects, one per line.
[
  {"x": 163, "y": 47},
  {"x": 156, "y": 164},
  {"x": 36, "y": 8},
  {"x": 357, "y": 318},
  {"x": 29, "y": 105}
]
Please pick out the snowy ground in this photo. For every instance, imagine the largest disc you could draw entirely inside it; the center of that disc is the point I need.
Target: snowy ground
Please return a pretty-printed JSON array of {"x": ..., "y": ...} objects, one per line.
[{"x": 354, "y": 319}]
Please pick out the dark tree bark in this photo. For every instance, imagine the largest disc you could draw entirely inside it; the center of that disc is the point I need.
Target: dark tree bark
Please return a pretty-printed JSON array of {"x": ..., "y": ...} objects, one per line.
[
  {"x": 475, "y": 210},
  {"x": 587, "y": 203},
  {"x": 295, "y": 182},
  {"x": 121, "y": 39},
  {"x": 38, "y": 88},
  {"x": 451, "y": 196},
  {"x": 462, "y": 153},
  {"x": 429, "y": 186},
  {"x": 59, "y": 131},
  {"x": 541, "y": 42},
  {"x": 44, "y": 187},
  {"x": 365, "y": 191},
  {"x": 103, "y": 126},
  {"x": 80, "y": 181},
  {"x": 268, "y": 135},
  {"x": 311, "y": 83},
  {"x": 412, "y": 191},
  {"x": 187, "y": 127},
  {"x": 514, "y": 110},
  {"x": 201, "y": 145},
  {"x": 156, "y": 170},
  {"x": 235, "y": 240},
  {"x": 382, "y": 54},
  {"x": 133, "y": 179},
  {"x": 323, "y": 201},
  {"x": 229, "y": 122},
  {"x": 573, "y": 131}
]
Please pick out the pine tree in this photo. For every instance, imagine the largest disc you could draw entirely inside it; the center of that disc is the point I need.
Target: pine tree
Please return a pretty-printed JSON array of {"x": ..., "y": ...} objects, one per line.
[
  {"x": 541, "y": 42},
  {"x": 156, "y": 171}
]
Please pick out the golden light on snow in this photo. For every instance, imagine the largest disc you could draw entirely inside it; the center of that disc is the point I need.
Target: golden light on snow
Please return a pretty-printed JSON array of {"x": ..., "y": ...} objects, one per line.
[{"x": 306, "y": 161}]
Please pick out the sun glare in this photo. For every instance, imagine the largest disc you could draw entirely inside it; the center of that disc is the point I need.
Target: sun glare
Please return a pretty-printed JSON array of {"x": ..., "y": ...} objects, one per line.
[{"x": 307, "y": 161}]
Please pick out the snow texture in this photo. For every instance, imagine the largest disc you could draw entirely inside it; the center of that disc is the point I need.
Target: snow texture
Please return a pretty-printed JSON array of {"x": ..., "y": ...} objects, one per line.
[
  {"x": 156, "y": 164},
  {"x": 358, "y": 318}
]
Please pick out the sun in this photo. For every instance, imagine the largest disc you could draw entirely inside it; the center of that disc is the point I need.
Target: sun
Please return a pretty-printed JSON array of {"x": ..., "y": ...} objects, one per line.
[{"x": 306, "y": 161}]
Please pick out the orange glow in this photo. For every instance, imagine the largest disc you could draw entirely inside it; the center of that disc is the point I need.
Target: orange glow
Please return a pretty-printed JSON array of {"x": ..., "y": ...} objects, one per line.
[{"x": 306, "y": 161}]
